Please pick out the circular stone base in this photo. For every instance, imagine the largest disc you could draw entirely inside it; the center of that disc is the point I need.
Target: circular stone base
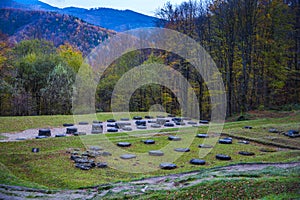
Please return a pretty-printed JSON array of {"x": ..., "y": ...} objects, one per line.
[
  {"x": 128, "y": 156},
  {"x": 167, "y": 166},
  {"x": 223, "y": 157},
  {"x": 174, "y": 138},
  {"x": 156, "y": 153},
  {"x": 246, "y": 153},
  {"x": 197, "y": 162},
  {"x": 149, "y": 142},
  {"x": 124, "y": 144},
  {"x": 205, "y": 146},
  {"x": 182, "y": 149}
]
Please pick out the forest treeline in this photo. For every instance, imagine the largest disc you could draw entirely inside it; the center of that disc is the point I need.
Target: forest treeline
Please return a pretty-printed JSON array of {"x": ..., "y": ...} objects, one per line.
[{"x": 254, "y": 43}]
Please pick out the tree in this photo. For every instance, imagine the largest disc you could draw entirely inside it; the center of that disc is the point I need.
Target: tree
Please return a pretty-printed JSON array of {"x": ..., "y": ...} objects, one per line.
[{"x": 57, "y": 95}]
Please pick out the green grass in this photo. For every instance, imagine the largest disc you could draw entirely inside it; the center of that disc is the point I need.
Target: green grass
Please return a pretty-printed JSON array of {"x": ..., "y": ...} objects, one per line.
[
  {"x": 232, "y": 189},
  {"x": 269, "y": 183},
  {"x": 52, "y": 168}
]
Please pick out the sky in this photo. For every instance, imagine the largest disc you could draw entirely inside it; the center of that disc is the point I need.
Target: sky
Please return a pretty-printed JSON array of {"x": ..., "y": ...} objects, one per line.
[{"x": 147, "y": 7}]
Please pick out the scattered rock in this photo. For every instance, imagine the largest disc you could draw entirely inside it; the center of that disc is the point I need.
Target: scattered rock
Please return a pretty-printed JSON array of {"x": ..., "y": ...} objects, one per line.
[
  {"x": 102, "y": 165},
  {"x": 95, "y": 148},
  {"x": 197, "y": 161},
  {"x": 105, "y": 154},
  {"x": 273, "y": 130},
  {"x": 292, "y": 134},
  {"x": 82, "y": 167},
  {"x": 75, "y": 157}
]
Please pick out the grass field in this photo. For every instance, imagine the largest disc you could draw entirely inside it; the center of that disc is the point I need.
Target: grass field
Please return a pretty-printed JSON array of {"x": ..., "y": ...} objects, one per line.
[{"x": 52, "y": 168}]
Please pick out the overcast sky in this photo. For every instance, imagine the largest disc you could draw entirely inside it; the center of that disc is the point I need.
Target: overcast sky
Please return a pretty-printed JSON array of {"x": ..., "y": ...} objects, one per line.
[{"x": 147, "y": 7}]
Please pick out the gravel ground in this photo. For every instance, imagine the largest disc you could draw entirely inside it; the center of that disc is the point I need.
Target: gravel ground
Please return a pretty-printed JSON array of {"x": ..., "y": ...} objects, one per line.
[{"x": 32, "y": 133}]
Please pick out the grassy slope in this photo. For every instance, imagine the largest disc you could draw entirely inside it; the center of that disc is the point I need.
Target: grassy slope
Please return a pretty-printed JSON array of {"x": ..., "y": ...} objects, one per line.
[{"x": 52, "y": 168}]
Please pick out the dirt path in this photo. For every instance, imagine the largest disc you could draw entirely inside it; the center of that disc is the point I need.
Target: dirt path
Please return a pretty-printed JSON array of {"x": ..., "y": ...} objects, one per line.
[{"x": 169, "y": 182}]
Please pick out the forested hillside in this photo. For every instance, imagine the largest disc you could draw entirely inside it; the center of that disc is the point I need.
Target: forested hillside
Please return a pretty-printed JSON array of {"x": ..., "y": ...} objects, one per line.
[
  {"x": 25, "y": 25},
  {"x": 255, "y": 44}
]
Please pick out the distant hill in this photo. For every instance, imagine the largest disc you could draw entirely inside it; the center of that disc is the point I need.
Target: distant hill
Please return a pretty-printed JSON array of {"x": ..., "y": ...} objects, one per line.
[
  {"x": 117, "y": 20},
  {"x": 24, "y": 24}
]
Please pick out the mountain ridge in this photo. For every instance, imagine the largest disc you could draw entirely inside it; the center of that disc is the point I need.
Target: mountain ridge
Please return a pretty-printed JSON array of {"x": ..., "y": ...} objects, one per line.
[
  {"x": 21, "y": 25},
  {"x": 113, "y": 19}
]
